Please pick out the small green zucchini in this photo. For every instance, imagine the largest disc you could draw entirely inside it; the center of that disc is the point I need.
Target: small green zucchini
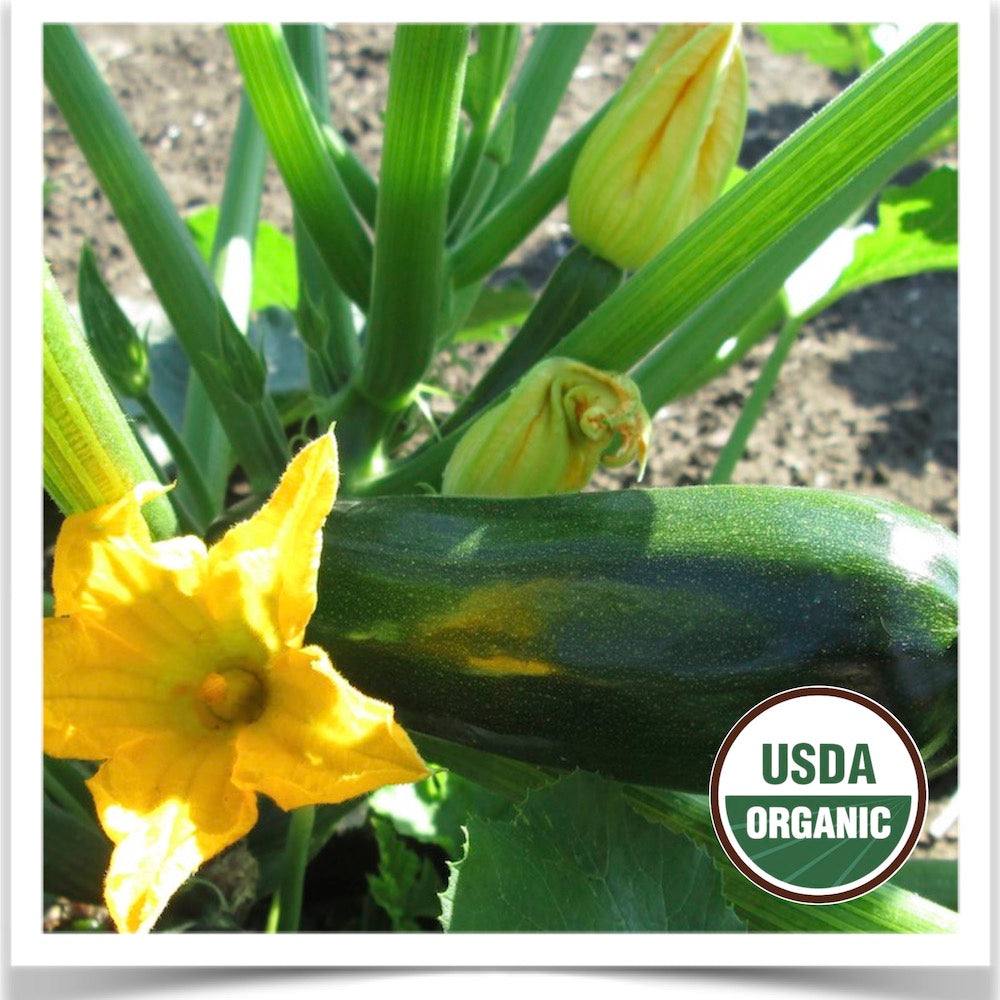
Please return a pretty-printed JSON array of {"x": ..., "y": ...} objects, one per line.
[{"x": 627, "y": 632}]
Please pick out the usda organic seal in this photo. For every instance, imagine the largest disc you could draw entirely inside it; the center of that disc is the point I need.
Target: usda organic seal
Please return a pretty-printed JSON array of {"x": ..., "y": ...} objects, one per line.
[{"x": 818, "y": 794}]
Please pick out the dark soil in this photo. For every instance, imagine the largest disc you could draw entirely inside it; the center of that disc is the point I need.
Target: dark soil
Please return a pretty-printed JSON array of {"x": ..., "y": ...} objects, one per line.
[{"x": 867, "y": 401}]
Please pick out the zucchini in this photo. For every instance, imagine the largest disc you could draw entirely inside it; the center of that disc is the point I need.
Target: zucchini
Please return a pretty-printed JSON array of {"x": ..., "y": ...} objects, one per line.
[{"x": 627, "y": 632}]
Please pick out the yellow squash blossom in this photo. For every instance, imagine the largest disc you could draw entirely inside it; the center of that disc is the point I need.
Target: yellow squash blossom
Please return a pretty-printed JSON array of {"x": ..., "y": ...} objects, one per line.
[
  {"x": 183, "y": 669},
  {"x": 662, "y": 153},
  {"x": 550, "y": 433}
]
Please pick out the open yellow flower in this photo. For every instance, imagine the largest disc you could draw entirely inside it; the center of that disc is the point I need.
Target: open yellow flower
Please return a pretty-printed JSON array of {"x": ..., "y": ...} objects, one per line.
[{"x": 183, "y": 669}]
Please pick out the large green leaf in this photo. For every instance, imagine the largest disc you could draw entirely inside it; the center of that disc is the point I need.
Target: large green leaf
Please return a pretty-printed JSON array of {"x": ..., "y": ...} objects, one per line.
[
  {"x": 274, "y": 275},
  {"x": 917, "y": 231},
  {"x": 578, "y": 858},
  {"x": 840, "y": 47}
]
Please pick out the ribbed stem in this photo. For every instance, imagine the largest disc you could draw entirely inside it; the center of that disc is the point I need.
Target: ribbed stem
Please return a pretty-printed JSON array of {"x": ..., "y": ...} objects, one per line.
[
  {"x": 300, "y": 151},
  {"x": 324, "y": 311},
  {"x": 90, "y": 455},
  {"x": 421, "y": 121}
]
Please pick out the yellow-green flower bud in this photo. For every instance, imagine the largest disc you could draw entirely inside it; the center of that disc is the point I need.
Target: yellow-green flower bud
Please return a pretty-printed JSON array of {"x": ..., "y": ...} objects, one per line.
[
  {"x": 549, "y": 434},
  {"x": 663, "y": 151}
]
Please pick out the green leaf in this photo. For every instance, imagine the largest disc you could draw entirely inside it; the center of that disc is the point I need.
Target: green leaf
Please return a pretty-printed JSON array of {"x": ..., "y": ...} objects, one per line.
[
  {"x": 917, "y": 231},
  {"x": 406, "y": 885},
  {"x": 274, "y": 274},
  {"x": 843, "y": 48},
  {"x": 495, "y": 312},
  {"x": 76, "y": 856},
  {"x": 435, "y": 810},
  {"x": 578, "y": 858},
  {"x": 271, "y": 333}
]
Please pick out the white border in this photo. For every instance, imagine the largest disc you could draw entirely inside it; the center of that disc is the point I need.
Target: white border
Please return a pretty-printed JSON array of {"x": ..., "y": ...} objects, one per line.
[{"x": 968, "y": 947}]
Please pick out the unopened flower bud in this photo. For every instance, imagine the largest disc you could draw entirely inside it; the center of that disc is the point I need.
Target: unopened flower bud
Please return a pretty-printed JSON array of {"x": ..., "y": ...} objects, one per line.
[
  {"x": 114, "y": 341},
  {"x": 663, "y": 151},
  {"x": 549, "y": 434}
]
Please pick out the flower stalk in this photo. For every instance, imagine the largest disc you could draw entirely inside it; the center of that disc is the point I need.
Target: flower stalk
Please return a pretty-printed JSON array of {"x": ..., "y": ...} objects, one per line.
[{"x": 285, "y": 914}]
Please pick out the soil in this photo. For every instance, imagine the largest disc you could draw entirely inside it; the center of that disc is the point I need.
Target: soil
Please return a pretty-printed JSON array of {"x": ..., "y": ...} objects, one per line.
[{"x": 866, "y": 402}]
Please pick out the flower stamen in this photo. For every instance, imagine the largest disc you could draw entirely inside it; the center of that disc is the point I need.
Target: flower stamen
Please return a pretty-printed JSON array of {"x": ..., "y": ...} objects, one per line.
[{"x": 232, "y": 695}]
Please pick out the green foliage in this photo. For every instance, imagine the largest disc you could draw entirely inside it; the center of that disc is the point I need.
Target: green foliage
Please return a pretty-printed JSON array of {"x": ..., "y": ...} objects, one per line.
[
  {"x": 275, "y": 281},
  {"x": 406, "y": 885},
  {"x": 844, "y": 48},
  {"x": 496, "y": 312},
  {"x": 578, "y": 858},
  {"x": 436, "y": 809},
  {"x": 917, "y": 231},
  {"x": 933, "y": 878},
  {"x": 267, "y": 839}
]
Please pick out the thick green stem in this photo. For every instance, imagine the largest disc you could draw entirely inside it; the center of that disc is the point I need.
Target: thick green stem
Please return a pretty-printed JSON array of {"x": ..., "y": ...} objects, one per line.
[
  {"x": 167, "y": 253},
  {"x": 286, "y": 905},
  {"x": 91, "y": 456},
  {"x": 300, "y": 151},
  {"x": 754, "y": 405},
  {"x": 324, "y": 314},
  {"x": 421, "y": 122}
]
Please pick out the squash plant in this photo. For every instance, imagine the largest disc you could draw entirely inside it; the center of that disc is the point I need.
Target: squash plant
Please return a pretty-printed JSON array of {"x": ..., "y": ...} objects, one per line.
[{"x": 567, "y": 664}]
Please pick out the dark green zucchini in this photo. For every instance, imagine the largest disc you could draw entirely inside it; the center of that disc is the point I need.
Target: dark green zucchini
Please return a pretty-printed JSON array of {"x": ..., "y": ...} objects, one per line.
[{"x": 627, "y": 632}]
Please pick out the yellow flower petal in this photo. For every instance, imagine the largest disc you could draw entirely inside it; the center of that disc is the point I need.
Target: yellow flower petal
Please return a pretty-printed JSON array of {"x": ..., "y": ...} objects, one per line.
[
  {"x": 263, "y": 571},
  {"x": 105, "y": 557},
  {"x": 319, "y": 739},
  {"x": 100, "y": 693},
  {"x": 168, "y": 804}
]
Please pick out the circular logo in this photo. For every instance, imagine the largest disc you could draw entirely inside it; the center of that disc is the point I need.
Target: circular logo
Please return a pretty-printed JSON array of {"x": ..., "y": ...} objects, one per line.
[{"x": 818, "y": 794}]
